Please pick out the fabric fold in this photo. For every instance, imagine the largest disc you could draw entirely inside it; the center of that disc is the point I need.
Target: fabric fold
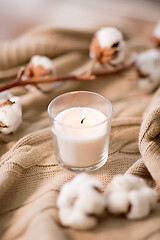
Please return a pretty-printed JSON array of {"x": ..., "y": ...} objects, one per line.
[
  {"x": 30, "y": 178},
  {"x": 41, "y": 41},
  {"x": 149, "y": 138}
]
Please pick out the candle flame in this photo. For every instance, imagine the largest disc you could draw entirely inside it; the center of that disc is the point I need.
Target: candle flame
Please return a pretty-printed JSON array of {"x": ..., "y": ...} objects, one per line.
[{"x": 84, "y": 114}]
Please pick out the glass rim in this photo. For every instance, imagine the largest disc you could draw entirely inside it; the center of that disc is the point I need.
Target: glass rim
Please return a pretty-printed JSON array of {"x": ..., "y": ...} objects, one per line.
[{"x": 74, "y": 92}]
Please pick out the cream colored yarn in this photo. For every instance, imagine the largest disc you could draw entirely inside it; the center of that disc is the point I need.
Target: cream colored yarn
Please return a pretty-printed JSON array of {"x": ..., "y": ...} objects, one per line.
[{"x": 30, "y": 178}]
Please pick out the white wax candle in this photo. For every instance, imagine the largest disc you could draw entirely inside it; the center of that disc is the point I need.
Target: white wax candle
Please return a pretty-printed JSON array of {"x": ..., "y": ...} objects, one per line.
[{"x": 81, "y": 135}]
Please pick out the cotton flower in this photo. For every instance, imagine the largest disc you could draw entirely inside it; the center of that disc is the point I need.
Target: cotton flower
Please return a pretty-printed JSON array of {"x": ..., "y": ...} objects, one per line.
[
  {"x": 4, "y": 96},
  {"x": 10, "y": 113},
  {"x": 148, "y": 69},
  {"x": 42, "y": 61},
  {"x": 130, "y": 195},
  {"x": 80, "y": 202},
  {"x": 76, "y": 219},
  {"x": 156, "y": 34},
  {"x": 117, "y": 202},
  {"x": 108, "y": 46},
  {"x": 126, "y": 182},
  {"x": 141, "y": 202},
  {"x": 41, "y": 66}
]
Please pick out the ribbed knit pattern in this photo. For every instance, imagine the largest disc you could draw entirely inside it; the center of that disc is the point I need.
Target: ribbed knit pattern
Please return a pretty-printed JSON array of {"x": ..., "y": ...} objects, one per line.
[
  {"x": 30, "y": 178},
  {"x": 149, "y": 139}
]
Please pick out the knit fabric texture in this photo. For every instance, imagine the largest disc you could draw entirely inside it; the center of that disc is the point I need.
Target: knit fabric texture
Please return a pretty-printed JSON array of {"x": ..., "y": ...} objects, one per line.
[{"x": 30, "y": 178}]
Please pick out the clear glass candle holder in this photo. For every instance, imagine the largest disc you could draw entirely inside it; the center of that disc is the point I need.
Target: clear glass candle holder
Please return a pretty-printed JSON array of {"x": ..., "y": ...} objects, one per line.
[{"x": 80, "y": 123}]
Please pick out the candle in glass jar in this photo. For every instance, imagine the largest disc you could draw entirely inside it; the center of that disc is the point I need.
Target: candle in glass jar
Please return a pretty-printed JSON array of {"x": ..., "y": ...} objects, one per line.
[{"x": 81, "y": 135}]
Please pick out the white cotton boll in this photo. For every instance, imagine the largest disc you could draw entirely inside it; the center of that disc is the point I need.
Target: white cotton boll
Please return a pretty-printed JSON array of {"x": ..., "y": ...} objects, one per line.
[
  {"x": 80, "y": 201},
  {"x": 140, "y": 206},
  {"x": 4, "y": 96},
  {"x": 67, "y": 196},
  {"x": 46, "y": 63},
  {"x": 80, "y": 178},
  {"x": 76, "y": 188},
  {"x": 118, "y": 202},
  {"x": 76, "y": 219},
  {"x": 11, "y": 116},
  {"x": 108, "y": 46},
  {"x": 90, "y": 183},
  {"x": 70, "y": 190},
  {"x": 65, "y": 216},
  {"x": 126, "y": 182},
  {"x": 130, "y": 195},
  {"x": 42, "y": 61},
  {"x": 134, "y": 182},
  {"x": 151, "y": 195},
  {"x": 108, "y": 36},
  {"x": 91, "y": 201},
  {"x": 142, "y": 202},
  {"x": 83, "y": 181},
  {"x": 156, "y": 31},
  {"x": 148, "y": 63}
]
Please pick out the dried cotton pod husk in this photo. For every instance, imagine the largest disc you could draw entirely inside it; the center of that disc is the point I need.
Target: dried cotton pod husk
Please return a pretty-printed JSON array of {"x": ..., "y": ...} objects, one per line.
[
  {"x": 108, "y": 46},
  {"x": 80, "y": 202},
  {"x": 10, "y": 113}
]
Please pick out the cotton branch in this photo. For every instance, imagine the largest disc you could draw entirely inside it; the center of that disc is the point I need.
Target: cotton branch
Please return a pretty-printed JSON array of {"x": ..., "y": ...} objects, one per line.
[{"x": 47, "y": 79}]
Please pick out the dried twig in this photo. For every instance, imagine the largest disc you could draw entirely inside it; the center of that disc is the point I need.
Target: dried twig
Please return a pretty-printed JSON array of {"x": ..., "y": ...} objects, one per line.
[
  {"x": 22, "y": 82},
  {"x": 93, "y": 63}
]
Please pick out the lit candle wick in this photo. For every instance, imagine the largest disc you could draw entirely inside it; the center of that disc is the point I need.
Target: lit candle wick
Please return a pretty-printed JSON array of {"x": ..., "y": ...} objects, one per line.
[
  {"x": 84, "y": 114},
  {"x": 82, "y": 120}
]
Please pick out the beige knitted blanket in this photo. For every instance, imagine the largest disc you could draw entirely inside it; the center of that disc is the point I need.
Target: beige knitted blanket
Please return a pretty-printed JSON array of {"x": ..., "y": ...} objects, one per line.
[{"x": 30, "y": 178}]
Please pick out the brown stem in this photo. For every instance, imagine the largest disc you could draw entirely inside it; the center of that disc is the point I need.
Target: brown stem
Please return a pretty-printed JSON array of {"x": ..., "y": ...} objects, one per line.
[
  {"x": 15, "y": 82},
  {"x": 93, "y": 63},
  {"x": 20, "y": 74},
  {"x": 9, "y": 85},
  {"x": 19, "y": 82},
  {"x": 55, "y": 79}
]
